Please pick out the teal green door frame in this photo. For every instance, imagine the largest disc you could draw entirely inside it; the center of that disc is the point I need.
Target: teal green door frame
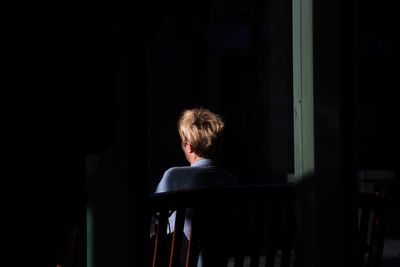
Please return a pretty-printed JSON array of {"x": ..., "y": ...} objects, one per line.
[{"x": 303, "y": 102}]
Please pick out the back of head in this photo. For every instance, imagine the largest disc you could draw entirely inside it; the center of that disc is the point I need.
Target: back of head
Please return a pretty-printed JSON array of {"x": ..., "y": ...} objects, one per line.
[{"x": 202, "y": 129}]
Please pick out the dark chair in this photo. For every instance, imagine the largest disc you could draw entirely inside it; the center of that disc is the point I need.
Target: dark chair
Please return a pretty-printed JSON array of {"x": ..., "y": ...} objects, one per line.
[
  {"x": 228, "y": 226},
  {"x": 371, "y": 228}
]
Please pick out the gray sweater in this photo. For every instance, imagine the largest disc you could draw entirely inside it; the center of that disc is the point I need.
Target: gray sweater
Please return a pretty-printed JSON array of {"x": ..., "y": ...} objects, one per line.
[{"x": 203, "y": 173}]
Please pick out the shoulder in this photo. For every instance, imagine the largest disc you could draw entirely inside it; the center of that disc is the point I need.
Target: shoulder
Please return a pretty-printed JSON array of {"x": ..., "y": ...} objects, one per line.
[
  {"x": 174, "y": 171},
  {"x": 170, "y": 177}
]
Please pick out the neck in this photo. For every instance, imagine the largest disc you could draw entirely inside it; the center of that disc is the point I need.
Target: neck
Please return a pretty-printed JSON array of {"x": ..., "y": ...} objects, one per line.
[{"x": 196, "y": 158}]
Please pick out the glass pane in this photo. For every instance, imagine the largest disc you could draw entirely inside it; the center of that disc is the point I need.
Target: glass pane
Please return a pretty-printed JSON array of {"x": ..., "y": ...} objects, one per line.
[{"x": 235, "y": 58}]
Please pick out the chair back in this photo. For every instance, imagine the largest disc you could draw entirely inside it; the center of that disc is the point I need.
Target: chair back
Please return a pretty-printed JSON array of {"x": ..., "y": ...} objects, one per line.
[{"x": 230, "y": 226}]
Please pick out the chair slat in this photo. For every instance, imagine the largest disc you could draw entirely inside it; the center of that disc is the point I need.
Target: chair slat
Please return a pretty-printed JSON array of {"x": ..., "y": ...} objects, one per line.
[
  {"x": 177, "y": 238},
  {"x": 161, "y": 242},
  {"x": 193, "y": 246}
]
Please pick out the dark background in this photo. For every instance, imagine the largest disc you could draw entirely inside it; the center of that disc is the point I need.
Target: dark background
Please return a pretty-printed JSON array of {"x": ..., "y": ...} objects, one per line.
[
  {"x": 64, "y": 102},
  {"x": 235, "y": 59},
  {"x": 90, "y": 99}
]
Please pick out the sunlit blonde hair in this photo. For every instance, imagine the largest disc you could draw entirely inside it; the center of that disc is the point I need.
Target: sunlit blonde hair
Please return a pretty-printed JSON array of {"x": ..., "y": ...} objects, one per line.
[{"x": 200, "y": 128}]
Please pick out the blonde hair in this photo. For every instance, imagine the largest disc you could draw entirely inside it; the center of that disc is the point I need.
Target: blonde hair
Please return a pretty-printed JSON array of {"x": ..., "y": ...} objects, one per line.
[{"x": 200, "y": 128}]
